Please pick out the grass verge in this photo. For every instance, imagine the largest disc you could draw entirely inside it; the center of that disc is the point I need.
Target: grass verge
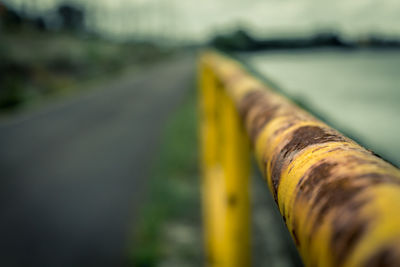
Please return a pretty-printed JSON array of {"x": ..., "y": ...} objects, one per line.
[{"x": 174, "y": 185}]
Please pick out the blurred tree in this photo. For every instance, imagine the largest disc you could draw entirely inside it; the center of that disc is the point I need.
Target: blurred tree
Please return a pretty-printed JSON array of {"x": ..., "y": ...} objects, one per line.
[
  {"x": 9, "y": 18},
  {"x": 71, "y": 17}
]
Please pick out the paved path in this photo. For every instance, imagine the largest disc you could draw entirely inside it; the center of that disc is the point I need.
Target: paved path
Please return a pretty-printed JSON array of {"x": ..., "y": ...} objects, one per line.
[{"x": 72, "y": 174}]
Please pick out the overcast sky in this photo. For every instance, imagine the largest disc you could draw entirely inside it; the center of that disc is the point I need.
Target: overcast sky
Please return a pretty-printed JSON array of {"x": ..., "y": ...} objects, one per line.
[{"x": 197, "y": 19}]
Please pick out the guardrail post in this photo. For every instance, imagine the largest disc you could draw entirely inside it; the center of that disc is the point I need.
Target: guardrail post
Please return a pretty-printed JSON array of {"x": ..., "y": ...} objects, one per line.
[{"x": 226, "y": 166}]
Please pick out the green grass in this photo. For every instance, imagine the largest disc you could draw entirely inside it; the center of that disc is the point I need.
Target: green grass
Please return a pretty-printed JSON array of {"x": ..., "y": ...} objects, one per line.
[{"x": 174, "y": 184}]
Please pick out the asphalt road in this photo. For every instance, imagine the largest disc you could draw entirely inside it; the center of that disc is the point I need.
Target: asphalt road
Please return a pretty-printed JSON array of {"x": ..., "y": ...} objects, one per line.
[{"x": 73, "y": 174}]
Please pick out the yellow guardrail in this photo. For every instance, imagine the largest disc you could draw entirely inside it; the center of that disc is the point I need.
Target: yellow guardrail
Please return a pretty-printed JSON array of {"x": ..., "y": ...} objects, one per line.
[{"x": 340, "y": 202}]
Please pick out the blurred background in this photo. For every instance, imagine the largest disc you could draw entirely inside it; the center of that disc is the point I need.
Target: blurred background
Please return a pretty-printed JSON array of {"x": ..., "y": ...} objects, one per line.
[{"x": 98, "y": 116}]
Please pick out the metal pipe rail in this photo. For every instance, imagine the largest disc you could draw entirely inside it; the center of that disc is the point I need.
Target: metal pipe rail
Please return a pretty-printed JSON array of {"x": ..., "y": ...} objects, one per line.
[{"x": 340, "y": 202}]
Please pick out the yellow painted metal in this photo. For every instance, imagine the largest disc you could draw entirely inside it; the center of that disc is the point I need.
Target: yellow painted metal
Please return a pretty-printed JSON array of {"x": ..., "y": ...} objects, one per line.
[
  {"x": 340, "y": 202},
  {"x": 210, "y": 163},
  {"x": 236, "y": 168},
  {"x": 226, "y": 161}
]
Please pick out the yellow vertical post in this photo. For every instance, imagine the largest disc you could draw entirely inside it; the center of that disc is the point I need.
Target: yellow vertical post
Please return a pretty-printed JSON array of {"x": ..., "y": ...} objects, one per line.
[
  {"x": 236, "y": 165},
  {"x": 225, "y": 165},
  {"x": 211, "y": 167}
]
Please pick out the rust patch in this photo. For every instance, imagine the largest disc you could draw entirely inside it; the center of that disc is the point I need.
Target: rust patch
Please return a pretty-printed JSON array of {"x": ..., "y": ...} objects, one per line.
[
  {"x": 313, "y": 178},
  {"x": 329, "y": 195},
  {"x": 318, "y": 148},
  {"x": 262, "y": 111},
  {"x": 260, "y": 119},
  {"x": 348, "y": 229},
  {"x": 295, "y": 238},
  {"x": 291, "y": 122},
  {"x": 328, "y": 192},
  {"x": 334, "y": 149},
  {"x": 219, "y": 84},
  {"x": 232, "y": 200},
  {"x": 290, "y": 170},
  {"x": 310, "y": 135},
  {"x": 300, "y": 139},
  {"x": 275, "y": 175},
  {"x": 248, "y": 101},
  {"x": 386, "y": 257},
  {"x": 294, "y": 231}
]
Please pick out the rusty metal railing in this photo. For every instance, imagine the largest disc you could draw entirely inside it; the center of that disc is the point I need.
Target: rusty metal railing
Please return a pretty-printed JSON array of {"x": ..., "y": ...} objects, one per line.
[{"x": 340, "y": 202}]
